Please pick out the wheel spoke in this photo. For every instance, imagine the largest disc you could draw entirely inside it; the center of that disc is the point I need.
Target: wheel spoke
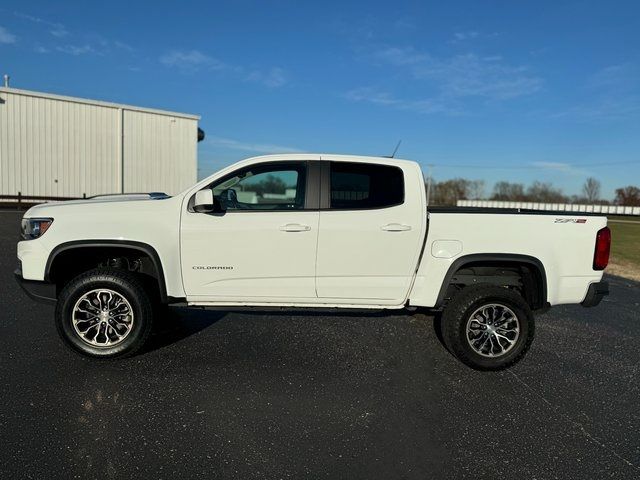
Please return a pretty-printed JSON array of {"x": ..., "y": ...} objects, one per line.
[
  {"x": 504, "y": 317},
  {"x": 481, "y": 348},
  {"x": 102, "y": 317},
  {"x": 84, "y": 326},
  {"x": 492, "y": 330}
]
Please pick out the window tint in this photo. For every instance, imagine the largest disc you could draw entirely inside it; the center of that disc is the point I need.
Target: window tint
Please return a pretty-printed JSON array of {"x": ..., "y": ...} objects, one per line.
[
  {"x": 263, "y": 187},
  {"x": 365, "y": 185}
]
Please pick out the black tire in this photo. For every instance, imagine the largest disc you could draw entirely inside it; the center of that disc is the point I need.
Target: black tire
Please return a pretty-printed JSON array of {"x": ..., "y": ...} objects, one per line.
[
  {"x": 459, "y": 311},
  {"x": 125, "y": 284}
]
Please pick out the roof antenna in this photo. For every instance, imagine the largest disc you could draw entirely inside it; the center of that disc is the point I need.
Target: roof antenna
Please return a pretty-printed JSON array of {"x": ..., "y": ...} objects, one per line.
[{"x": 393, "y": 155}]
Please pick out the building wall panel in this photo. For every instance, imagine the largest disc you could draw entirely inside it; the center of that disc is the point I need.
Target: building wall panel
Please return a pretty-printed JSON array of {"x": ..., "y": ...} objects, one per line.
[
  {"x": 64, "y": 147},
  {"x": 55, "y": 148},
  {"x": 160, "y": 152}
]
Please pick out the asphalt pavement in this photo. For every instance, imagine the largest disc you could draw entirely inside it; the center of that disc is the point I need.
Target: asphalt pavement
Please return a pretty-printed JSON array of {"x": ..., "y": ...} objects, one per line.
[{"x": 306, "y": 395}]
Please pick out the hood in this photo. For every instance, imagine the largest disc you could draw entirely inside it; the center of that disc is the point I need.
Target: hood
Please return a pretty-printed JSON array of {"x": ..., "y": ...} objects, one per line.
[{"x": 98, "y": 199}]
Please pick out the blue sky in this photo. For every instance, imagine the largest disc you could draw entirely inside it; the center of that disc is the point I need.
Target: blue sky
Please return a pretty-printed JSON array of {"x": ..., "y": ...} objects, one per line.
[{"x": 492, "y": 90}]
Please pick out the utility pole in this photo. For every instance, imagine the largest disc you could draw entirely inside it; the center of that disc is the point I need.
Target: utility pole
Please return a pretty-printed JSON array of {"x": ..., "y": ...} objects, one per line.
[{"x": 430, "y": 166}]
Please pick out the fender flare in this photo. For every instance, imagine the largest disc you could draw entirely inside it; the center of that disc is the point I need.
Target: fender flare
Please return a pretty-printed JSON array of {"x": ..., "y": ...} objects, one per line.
[
  {"x": 130, "y": 244},
  {"x": 493, "y": 257}
]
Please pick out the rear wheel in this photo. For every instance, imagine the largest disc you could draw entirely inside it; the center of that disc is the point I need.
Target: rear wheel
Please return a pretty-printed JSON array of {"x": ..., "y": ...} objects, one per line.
[
  {"x": 104, "y": 313},
  {"x": 488, "y": 327}
]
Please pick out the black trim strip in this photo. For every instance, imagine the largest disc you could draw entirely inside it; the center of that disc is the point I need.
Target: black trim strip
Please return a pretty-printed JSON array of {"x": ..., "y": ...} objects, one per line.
[
  {"x": 312, "y": 190},
  {"x": 325, "y": 185},
  {"x": 43, "y": 292},
  {"x": 492, "y": 257},
  {"x": 143, "y": 247}
]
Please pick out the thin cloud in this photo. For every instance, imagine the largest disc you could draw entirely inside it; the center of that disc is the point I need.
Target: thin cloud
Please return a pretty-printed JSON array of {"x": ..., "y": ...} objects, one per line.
[
  {"x": 123, "y": 46},
  {"x": 464, "y": 36},
  {"x": 249, "y": 147},
  {"x": 73, "y": 44},
  {"x": 461, "y": 36},
  {"x": 611, "y": 95},
  {"x": 561, "y": 167},
  {"x": 622, "y": 76},
  {"x": 382, "y": 98},
  {"x": 7, "y": 37},
  {"x": 610, "y": 107},
  {"x": 191, "y": 61},
  {"x": 59, "y": 31},
  {"x": 75, "y": 49},
  {"x": 273, "y": 78},
  {"x": 470, "y": 75},
  {"x": 464, "y": 75},
  {"x": 452, "y": 80},
  {"x": 54, "y": 28},
  {"x": 399, "y": 56}
]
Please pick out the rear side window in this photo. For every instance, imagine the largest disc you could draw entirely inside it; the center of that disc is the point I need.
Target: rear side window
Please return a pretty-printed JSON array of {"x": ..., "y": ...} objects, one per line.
[{"x": 365, "y": 185}]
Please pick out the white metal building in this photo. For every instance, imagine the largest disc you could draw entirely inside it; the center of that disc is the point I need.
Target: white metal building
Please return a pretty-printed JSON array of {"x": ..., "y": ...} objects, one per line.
[{"x": 57, "y": 146}]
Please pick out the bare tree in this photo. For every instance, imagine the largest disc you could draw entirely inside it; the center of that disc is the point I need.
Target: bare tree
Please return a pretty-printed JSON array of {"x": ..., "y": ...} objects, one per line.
[
  {"x": 475, "y": 189},
  {"x": 511, "y": 192},
  {"x": 450, "y": 191},
  {"x": 628, "y": 196},
  {"x": 545, "y": 193},
  {"x": 591, "y": 190}
]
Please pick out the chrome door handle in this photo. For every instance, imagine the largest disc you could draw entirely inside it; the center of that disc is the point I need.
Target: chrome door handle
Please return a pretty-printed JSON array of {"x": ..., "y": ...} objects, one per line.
[
  {"x": 396, "y": 227},
  {"x": 295, "y": 227}
]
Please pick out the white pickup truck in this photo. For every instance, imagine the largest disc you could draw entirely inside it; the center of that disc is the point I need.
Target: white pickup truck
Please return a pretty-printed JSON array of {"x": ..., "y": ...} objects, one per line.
[{"x": 309, "y": 231}]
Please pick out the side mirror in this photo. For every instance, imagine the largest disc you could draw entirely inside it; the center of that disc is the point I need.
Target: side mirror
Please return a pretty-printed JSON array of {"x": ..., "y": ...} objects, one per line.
[{"x": 204, "y": 201}]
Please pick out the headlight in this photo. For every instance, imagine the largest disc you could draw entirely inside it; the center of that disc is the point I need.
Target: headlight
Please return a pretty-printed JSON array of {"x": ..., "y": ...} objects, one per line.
[{"x": 35, "y": 227}]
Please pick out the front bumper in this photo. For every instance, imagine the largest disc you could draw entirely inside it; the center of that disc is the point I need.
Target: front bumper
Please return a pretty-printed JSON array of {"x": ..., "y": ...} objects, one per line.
[
  {"x": 595, "y": 294},
  {"x": 37, "y": 290}
]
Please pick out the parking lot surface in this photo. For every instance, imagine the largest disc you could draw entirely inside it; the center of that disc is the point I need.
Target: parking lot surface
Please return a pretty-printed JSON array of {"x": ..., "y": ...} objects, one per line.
[{"x": 308, "y": 395}]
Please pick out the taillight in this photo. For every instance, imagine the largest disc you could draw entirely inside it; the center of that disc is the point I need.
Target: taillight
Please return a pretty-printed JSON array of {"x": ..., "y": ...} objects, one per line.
[{"x": 603, "y": 246}]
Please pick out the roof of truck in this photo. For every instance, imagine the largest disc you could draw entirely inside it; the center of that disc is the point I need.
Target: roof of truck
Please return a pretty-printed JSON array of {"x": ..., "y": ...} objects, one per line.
[{"x": 330, "y": 156}]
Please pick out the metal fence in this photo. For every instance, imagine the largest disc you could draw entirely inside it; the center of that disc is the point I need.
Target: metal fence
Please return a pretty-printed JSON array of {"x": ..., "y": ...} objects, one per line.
[
  {"x": 20, "y": 202},
  {"x": 564, "y": 207}
]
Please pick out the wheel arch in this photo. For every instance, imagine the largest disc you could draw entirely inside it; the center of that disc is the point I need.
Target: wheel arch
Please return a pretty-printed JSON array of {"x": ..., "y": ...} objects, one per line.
[
  {"x": 504, "y": 259},
  {"x": 64, "y": 249}
]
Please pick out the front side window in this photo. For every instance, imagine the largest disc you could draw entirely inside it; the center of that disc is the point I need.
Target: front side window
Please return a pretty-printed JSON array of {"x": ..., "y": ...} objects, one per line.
[
  {"x": 365, "y": 185},
  {"x": 263, "y": 187}
]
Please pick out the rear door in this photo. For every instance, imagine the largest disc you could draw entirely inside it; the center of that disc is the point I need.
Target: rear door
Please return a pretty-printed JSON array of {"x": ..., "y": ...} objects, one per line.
[{"x": 371, "y": 231}]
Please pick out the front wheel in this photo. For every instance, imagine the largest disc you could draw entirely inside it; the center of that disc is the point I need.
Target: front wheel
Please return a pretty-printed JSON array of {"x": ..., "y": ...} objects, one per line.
[
  {"x": 488, "y": 327},
  {"x": 104, "y": 313}
]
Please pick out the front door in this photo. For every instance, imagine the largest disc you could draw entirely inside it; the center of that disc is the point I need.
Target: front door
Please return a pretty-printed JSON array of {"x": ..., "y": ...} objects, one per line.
[{"x": 261, "y": 245}]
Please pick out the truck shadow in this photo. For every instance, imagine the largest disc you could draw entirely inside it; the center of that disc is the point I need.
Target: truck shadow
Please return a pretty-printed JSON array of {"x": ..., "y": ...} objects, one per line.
[{"x": 174, "y": 324}]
